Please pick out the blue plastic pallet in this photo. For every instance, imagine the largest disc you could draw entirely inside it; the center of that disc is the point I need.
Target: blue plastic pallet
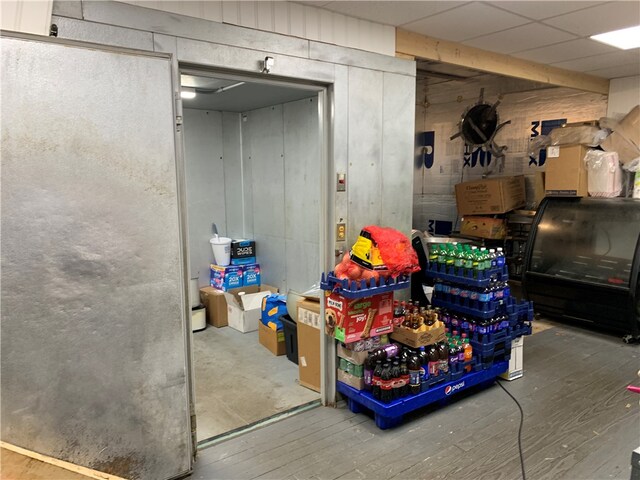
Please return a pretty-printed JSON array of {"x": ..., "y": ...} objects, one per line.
[
  {"x": 388, "y": 415},
  {"x": 362, "y": 288},
  {"x": 464, "y": 276}
]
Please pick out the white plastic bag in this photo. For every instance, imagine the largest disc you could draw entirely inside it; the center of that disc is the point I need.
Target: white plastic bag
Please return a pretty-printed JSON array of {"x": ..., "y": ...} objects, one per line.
[{"x": 604, "y": 175}]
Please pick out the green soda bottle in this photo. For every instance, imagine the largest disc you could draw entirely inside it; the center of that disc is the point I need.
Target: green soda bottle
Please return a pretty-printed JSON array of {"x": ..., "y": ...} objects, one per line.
[
  {"x": 450, "y": 255},
  {"x": 441, "y": 255},
  {"x": 482, "y": 262},
  {"x": 433, "y": 253},
  {"x": 458, "y": 259},
  {"x": 474, "y": 261}
]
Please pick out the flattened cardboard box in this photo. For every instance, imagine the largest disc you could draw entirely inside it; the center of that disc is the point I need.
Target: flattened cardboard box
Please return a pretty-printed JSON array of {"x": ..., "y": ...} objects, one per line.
[
  {"x": 309, "y": 356},
  {"x": 308, "y": 312},
  {"x": 271, "y": 339}
]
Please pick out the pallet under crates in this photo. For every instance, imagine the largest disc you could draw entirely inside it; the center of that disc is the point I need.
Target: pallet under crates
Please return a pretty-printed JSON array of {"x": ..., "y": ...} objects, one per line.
[{"x": 388, "y": 415}]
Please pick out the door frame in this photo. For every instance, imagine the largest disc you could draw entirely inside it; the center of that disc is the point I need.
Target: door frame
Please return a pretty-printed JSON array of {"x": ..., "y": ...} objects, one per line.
[{"x": 325, "y": 96}]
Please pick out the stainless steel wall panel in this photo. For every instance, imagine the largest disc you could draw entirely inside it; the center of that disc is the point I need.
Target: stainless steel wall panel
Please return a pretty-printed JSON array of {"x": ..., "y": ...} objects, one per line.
[
  {"x": 74, "y": 29},
  {"x": 397, "y": 152},
  {"x": 67, "y": 8},
  {"x": 340, "y": 142},
  {"x": 93, "y": 363},
  {"x": 249, "y": 60},
  {"x": 165, "y": 43},
  {"x": 205, "y": 186},
  {"x": 114, "y": 13},
  {"x": 271, "y": 255},
  {"x": 358, "y": 58},
  {"x": 233, "y": 178},
  {"x": 302, "y": 158},
  {"x": 262, "y": 137},
  {"x": 365, "y": 149}
]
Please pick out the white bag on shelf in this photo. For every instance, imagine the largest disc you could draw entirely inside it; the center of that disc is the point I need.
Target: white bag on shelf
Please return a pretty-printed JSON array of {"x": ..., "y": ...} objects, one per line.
[{"x": 604, "y": 175}]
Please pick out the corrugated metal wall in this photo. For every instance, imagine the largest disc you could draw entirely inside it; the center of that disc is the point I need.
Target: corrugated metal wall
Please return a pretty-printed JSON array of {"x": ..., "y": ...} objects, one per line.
[{"x": 287, "y": 18}]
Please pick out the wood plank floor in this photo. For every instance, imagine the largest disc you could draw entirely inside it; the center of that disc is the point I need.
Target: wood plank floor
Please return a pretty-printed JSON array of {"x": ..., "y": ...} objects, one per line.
[
  {"x": 14, "y": 466},
  {"x": 580, "y": 423}
]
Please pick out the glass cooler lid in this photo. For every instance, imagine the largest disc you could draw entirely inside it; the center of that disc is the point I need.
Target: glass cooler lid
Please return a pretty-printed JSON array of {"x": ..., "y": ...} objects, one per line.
[{"x": 590, "y": 239}]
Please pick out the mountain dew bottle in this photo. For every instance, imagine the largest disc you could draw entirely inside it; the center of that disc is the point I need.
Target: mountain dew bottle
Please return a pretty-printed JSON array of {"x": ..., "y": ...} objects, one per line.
[
  {"x": 468, "y": 258},
  {"x": 433, "y": 253},
  {"x": 450, "y": 255},
  {"x": 458, "y": 259},
  {"x": 475, "y": 254}
]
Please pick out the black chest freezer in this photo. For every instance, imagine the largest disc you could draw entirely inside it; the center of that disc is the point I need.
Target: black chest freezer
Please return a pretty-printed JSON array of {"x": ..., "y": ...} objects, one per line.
[{"x": 582, "y": 262}]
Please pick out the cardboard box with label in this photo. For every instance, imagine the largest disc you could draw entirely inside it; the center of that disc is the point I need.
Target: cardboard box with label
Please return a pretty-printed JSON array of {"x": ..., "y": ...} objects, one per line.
[
  {"x": 271, "y": 339},
  {"x": 308, "y": 344},
  {"x": 483, "y": 227},
  {"x": 350, "y": 320},
  {"x": 490, "y": 195},
  {"x": 244, "y": 307},
  {"x": 216, "y": 306},
  {"x": 566, "y": 172}
]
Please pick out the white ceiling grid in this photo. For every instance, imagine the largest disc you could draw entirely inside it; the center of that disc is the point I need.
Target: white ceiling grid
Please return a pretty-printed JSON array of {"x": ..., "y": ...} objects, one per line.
[{"x": 549, "y": 32}]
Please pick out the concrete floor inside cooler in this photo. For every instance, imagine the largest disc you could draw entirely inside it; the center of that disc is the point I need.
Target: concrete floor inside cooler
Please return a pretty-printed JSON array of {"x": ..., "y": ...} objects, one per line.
[{"x": 238, "y": 381}]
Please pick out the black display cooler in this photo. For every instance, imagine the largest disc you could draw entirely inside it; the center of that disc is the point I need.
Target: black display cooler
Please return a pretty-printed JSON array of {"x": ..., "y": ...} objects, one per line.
[{"x": 582, "y": 262}]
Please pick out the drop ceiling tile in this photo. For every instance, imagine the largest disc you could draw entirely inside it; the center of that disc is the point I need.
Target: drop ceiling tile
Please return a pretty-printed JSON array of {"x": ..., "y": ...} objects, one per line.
[
  {"x": 598, "y": 62},
  {"x": 516, "y": 39},
  {"x": 540, "y": 10},
  {"x": 600, "y": 19},
  {"x": 617, "y": 72},
  {"x": 570, "y": 50},
  {"x": 467, "y": 21},
  {"x": 391, "y": 13}
]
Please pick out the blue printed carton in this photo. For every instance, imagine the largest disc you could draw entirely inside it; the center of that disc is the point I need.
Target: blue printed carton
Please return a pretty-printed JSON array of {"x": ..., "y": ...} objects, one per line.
[
  {"x": 251, "y": 275},
  {"x": 226, "y": 278}
]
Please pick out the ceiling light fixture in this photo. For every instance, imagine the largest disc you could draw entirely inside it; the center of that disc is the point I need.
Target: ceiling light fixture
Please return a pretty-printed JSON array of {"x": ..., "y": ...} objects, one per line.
[
  {"x": 625, "y": 39},
  {"x": 188, "y": 93}
]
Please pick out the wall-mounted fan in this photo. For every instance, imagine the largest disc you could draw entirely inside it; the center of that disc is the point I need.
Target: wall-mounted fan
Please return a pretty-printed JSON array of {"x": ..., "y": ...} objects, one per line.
[{"x": 479, "y": 126}]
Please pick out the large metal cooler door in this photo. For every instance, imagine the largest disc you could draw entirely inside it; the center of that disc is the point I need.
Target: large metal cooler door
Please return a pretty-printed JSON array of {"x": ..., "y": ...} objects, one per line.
[{"x": 93, "y": 362}]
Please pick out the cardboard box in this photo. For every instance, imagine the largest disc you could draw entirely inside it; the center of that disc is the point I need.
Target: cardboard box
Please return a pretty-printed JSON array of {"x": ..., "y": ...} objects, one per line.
[
  {"x": 629, "y": 126},
  {"x": 357, "y": 358},
  {"x": 415, "y": 339},
  {"x": 216, "y": 306},
  {"x": 251, "y": 275},
  {"x": 271, "y": 339},
  {"x": 516, "y": 362},
  {"x": 308, "y": 312},
  {"x": 566, "y": 172},
  {"x": 534, "y": 189},
  {"x": 483, "y": 227},
  {"x": 350, "y": 320},
  {"x": 490, "y": 195},
  {"x": 355, "y": 382},
  {"x": 309, "y": 356},
  {"x": 244, "y": 307},
  {"x": 226, "y": 278}
]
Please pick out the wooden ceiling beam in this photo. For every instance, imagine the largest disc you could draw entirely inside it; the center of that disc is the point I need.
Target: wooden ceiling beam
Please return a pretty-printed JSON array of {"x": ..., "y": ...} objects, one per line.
[{"x": 421, "y": 47}]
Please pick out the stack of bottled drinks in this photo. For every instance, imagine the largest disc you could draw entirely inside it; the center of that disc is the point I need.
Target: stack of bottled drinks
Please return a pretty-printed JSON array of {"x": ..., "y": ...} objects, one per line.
[
  {"x": 415, "y": 317},
  {"x": 395, "y": 371},
  {"x": 467, "y": 260}
]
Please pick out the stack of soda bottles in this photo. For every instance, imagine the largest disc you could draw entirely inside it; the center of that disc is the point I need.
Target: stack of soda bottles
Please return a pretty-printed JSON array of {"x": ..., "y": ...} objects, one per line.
[
  {"x": 412, "y": 315},
  {"x": 475, "y": 261},
  {"x": 394, "y": 371}
]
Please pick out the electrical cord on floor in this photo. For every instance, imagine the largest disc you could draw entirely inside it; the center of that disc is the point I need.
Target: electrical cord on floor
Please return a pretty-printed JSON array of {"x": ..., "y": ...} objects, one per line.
[{"x": 499, "y": 382}]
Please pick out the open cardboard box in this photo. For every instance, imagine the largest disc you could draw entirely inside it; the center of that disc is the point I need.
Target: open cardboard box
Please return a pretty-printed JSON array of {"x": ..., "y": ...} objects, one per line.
[{"x": 244, "y": 306}]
